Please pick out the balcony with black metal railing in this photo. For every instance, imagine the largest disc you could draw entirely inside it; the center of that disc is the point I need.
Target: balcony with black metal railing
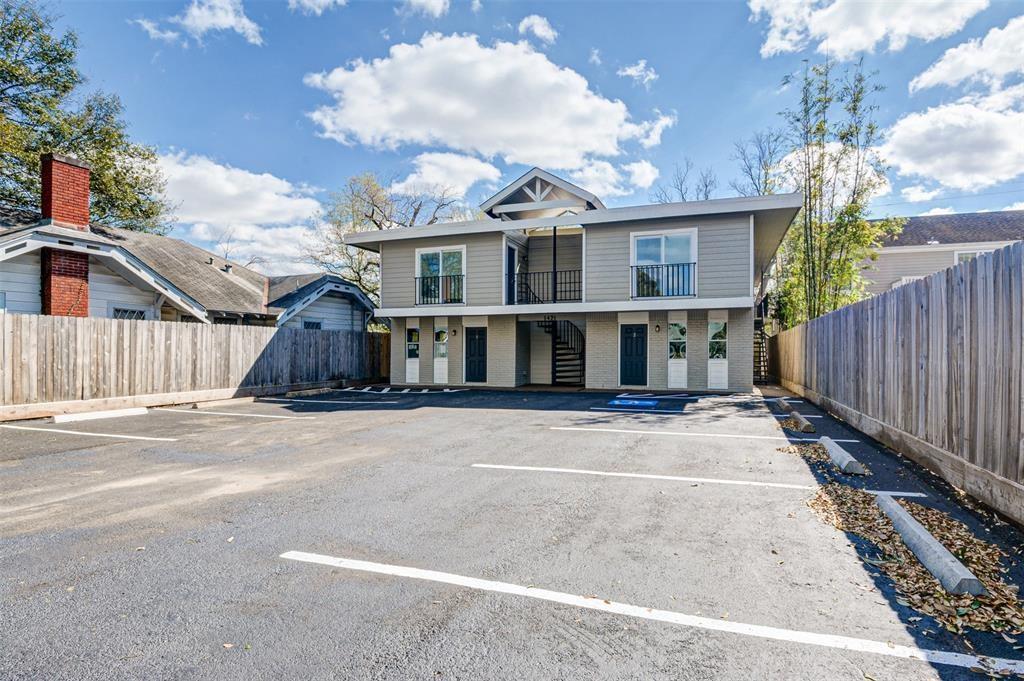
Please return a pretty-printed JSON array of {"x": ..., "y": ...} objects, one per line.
[
  {"x": 673, "y": 280},
  {"x": 536, "y": 288},
  {"x": 445, "y": 289}
]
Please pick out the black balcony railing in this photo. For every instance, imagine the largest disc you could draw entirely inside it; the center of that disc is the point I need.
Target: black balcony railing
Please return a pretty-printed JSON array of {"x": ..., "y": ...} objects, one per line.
[
  {"x": 531, "y": 288},
  {"x": 663, "y": 281},
  {"x": 440, "y": 290}
]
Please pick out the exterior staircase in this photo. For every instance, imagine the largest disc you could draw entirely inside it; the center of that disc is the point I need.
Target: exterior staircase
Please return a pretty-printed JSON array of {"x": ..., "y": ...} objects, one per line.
[
  {"x": 760, "y": 353},
  {"x": 568, "y": 352}
]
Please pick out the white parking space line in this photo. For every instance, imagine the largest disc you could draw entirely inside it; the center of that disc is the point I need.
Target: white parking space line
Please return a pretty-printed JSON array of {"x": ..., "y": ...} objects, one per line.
[
  {"x": 806, "y": 416},
  {"x": 229, "y": 413},
  {"x": 681, "y": 434},
  {"x": 96, "y": 415},
  {"x": 860, "y": 645},
  {"x": 296, "y": 401},
  {"x": 676, "y": 478},
  {"x": 80, "y": 432}
]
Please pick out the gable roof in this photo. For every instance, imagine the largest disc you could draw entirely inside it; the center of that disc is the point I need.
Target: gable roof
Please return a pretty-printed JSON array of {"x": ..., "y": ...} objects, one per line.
[
  {"x": 522, "y": 190},
  {"x": 289, "y": 290},
  {"x": 960, "y": 228},
  {"x": 215, "y": 283}
]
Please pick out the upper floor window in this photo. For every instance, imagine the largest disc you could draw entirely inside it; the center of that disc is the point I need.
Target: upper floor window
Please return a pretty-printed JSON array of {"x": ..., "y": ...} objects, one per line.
[
  {"x": 664, "y": 263},
  {"x": 440, "y": 273}
]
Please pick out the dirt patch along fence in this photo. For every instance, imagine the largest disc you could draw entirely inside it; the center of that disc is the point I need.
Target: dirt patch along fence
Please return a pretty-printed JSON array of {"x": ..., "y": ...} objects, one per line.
[
  {"x": 932, "y": 369},
  {"x": 59, "y": 364}
]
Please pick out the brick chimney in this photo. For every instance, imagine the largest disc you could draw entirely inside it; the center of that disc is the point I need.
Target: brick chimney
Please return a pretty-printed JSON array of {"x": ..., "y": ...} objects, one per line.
[
  {"x": 65, "y": 191},
  {"x": 65, "y": 201}
]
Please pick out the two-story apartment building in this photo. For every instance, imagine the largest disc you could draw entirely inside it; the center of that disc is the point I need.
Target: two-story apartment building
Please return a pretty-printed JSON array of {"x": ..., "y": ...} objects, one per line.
[{"x": 552, "y": 287}]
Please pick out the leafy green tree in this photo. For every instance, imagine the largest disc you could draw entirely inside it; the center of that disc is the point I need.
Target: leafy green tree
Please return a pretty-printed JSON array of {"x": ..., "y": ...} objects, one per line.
[
  {"x": 43, "y": 108},
  {"x": 833, "y": 161}
]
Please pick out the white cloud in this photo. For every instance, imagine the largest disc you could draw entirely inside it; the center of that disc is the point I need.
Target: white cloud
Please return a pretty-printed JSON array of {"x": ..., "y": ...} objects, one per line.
[
  {"x": 506, "y": 100},
  {"x": 430, "y": 8},
  {"x": 843, "y": 28},
  {"x": 203, "y": 16},
  {"x": 918, "y": 193},
  {"x": 538, "y": 26},
  {"x": 476, "y": 6},
  {"x": 640, "y": 72},
  {"x": 443, "y": 170},
  {"x": 154, "y": 31},
  {"x": 595, "y": 56},
  {"x": 1015, "y": 206},
  {"x": 642, "y": 174},
  {"x": 600, "y": 178},
  {"x": 316, "y": 7},
  {"x": 988, "y": 60},
  {"x": 969, "y": 144},
  {"x": 261, "y": 213},
  {"x": 948, "y": 210}
]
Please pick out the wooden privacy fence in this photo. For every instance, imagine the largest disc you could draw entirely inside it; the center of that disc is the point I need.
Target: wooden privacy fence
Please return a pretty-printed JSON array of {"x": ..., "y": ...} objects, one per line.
[
  {"x": 931, "y": 368},
  {"x": 48, "y": 362}
]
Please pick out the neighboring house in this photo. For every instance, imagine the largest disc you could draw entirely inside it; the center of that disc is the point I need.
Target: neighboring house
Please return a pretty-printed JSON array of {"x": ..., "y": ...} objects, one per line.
[
  {"x": 56, "y": 263},
  {"x": 552, "y": 287},
  {"x": 931, "y": 243}
]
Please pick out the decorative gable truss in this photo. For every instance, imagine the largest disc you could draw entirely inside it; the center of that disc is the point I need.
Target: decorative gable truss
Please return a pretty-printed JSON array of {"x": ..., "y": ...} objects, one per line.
[{"x": 539, "y": 194}]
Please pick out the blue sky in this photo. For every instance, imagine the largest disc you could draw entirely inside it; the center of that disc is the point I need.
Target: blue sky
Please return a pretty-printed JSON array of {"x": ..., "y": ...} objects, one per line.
[{"x": 260, "y": 108}]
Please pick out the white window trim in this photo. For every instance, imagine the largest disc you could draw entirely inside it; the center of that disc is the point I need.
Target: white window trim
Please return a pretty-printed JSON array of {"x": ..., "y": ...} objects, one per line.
[
  {"x": 669, "y": 341},
  {"x": 146, "y": 309},
  {"x": 505, "y": 244},
  {"x": 663, "y": 232},
  {"x": 465, "y": 271},
  {"x": 974, "y": 251}
]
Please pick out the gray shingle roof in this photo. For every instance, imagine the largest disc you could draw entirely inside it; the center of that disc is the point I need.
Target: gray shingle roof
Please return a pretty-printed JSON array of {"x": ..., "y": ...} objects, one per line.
[
  {"x": 957, "y": 228},
  {"x": 200, "y": 274}
]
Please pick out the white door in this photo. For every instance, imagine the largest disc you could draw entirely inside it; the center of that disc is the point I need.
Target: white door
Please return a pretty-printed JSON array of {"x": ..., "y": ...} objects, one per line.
[
  {"x": 441, "y": 355},
  {"x": 412, "y": 355},
  {"x": 718, "y": 349},
  {"x": 677, "y": 366}
]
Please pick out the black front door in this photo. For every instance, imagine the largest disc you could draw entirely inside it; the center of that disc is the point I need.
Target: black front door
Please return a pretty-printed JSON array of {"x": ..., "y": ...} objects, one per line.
[
  {"x": 476, "y": 354},
  {"x": 510, "y": 275},
  {"x": 633, "y": 354}
]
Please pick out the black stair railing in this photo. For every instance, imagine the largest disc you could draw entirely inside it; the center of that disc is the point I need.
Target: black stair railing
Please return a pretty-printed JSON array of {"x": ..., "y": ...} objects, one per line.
[
  {"x": 532, "y": 288},
  {"x": 568, "y": 352}
]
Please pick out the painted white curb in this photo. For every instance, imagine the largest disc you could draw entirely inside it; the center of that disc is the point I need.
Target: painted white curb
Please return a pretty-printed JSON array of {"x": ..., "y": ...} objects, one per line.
[{"x": 94, "y": 415}]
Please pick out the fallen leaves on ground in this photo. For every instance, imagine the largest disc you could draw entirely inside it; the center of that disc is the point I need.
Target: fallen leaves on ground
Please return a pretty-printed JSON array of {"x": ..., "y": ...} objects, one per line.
[
  {"x": 814, "y": 453},
  {"x": 855, "y": 511},
  {"x": 789, "y": 423}
]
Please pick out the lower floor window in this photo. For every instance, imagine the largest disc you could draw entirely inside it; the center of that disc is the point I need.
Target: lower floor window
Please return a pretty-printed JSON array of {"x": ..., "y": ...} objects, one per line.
[
  {"x": 412, "y": 343},
  {"x": 128, "y": 313},
  {"x": 676, "y": 341},
  {"x": 441, "y": 342},
  {"x": 717, "y": 340},
  {"x": 312, "y": 324}
]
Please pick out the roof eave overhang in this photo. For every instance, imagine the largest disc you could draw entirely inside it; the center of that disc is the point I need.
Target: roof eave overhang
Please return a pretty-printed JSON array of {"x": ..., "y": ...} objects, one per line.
[{"x": 786, "y": 204}]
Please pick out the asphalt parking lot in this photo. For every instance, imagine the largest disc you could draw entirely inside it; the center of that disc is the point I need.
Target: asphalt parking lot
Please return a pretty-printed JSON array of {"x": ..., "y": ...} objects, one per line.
[{"x": 468, "y": 534}]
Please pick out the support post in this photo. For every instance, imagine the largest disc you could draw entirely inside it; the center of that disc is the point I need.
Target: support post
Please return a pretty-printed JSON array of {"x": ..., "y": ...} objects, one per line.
[{"x": 554, "y": 264}]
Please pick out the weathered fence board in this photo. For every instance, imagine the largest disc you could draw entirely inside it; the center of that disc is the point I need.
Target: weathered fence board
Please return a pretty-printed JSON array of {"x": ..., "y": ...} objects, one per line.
[
  {"x": 933, "y": 368},
  {"x": 61, "y": 359}
]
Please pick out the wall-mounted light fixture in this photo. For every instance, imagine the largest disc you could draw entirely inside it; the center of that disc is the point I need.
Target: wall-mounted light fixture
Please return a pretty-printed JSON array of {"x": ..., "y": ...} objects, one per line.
[{"x": 657, "y": 328}]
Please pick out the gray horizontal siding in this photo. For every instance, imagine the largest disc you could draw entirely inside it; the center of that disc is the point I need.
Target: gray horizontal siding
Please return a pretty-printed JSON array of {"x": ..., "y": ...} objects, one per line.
[
  {"x": 892, "y": 266},
  {"x": 483, "y": 268},
  {"x": 723, "y": 257},
  {"x": 570, "y": 253}
]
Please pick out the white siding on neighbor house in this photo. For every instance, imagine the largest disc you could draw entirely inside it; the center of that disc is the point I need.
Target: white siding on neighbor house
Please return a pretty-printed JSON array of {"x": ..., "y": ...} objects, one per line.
[
  {"x": 336, "y": 313},
  {"x": 108, "y": 290},
  {"x": 21, "y": 284},
  {"x": 894, "y": 264}
]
